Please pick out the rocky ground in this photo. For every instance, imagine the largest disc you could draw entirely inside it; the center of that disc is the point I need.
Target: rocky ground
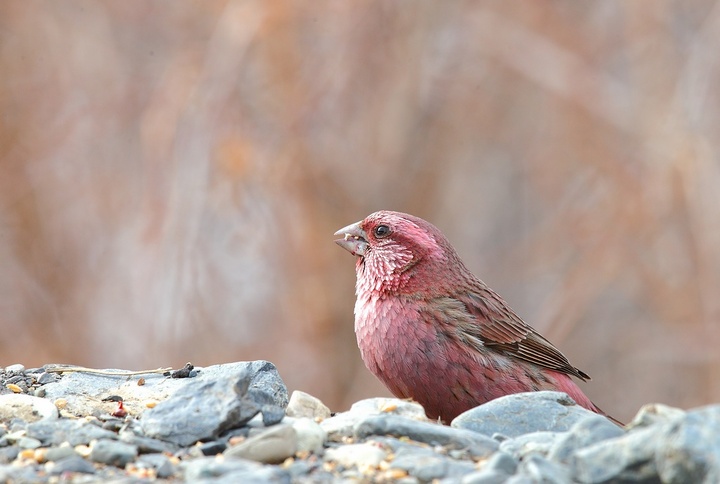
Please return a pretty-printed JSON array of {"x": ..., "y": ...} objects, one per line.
[{"x": 235, "y": 423}]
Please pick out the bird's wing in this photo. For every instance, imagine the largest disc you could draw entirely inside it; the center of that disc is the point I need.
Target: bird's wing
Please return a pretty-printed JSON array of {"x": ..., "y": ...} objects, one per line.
[{"x": 498, "y": 327}]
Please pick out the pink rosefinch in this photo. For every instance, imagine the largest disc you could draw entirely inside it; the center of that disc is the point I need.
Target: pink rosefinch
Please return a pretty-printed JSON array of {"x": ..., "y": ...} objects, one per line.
[{"x": 433, "y": 332}]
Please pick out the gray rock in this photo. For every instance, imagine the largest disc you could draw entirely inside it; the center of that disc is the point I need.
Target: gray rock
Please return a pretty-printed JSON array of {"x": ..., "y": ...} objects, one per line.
[
  {"x": 146, "y": 445},
  {"x": 302, "y": 404},
  {"x": 26, "y": 407},
  {"x": 584, "y": 433},
  {"x": 84, "y": 391},
  {"x": 629, "y": 458},
  {"x": 215, "y": 402},
  {"x": 680, "y": 449},
  {"x": 45, "y": 377},
  {"x": 75, "y": 432},
  {"x": 209, "y": 469},
  {"x": 71, "y": 464},
  {"x": 522, "y": 413},
  {"x": 429, "y": 433},
  {"x": 16, "y": 368},
  {"x": 690, "y": 450},
  {"x": 538, "y": 443},
  {"x": 28, "y": 443},
  {"x": 485, "y": 476},
  {"x": 112, "y": 452},
  {"x": 8, "y": 454},
  {"x": 214, "y": 447},
  {"x": 424, "y": 467},
  {"x": 341, "y": 425},
  {"x": 539, "y": 469},
  {"x": 162, "y": 465},
  {"x": 502, "y": 462},
  {"x": 271, "y": 447},
  {"x": 60, "y": 453},
  {"x": 427, "y": 465}
]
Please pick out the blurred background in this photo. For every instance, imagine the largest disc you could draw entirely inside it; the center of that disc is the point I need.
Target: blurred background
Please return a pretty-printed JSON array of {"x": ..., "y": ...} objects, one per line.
[{"x": 171, "y": 174}]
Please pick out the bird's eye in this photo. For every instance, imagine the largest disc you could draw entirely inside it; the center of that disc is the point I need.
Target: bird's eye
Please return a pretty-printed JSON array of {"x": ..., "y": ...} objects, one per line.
[{"x": 381, "y": 231}]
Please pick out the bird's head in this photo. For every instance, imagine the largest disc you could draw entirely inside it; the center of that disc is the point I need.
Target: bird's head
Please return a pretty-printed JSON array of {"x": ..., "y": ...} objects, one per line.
[{"x": 396, "y": 250}]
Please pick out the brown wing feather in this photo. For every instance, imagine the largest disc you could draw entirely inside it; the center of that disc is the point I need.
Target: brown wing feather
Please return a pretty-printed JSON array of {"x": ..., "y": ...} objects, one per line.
[{"x": 498, "y": 327}]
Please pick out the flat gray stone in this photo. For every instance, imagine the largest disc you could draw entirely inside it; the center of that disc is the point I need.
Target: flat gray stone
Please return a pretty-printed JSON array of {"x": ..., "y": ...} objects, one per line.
[
  {"x": 270, "y": 447},
  {"x": 429, "y": 433},
  {"x": 522, "y": 413},
  {"x": 112, "y": 452},
  {"x": 534, "y": 443},
  {"x": 74, "y": 432},
  {"x": 72, "y": 464}
]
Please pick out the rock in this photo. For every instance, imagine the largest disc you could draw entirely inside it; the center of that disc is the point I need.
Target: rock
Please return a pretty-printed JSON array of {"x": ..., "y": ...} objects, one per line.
[
  {"x": 213, "y": 447},
  {"x": 26, "y": 407},
  {"x": 683, "y": 448},
  {"x": 691, "y": 447},
  {"x": 426, "y": 465},
  {"x": 60, "y": 453},
  {"x": 272, "y": 446},
  {"x": 539, "y": 469},
  {"x": 16, "y": 368},
  {"x": 164, "y": 469},
  {"x": 84, "y": 392},
  {"x": 502, "y": 462},
  {"x": 113, "y": 452},
  {"x": 214, "y": 402},
  {"x": 231, "y": 470},
  {"x": 584, "y": 433},
  {"x": 628, "y": 458},
  {"x": 485, "y": 477},
  {"x": 146, "y": 445},
  {"x": 341, "y": 425},
  {"x": 534, "y": 443},
  {"x": 429, "y": 433},
  {"x": 28, "y": 443},
  {"x": 302, "y": 404},
  {"x": 75, "y": 432},
  {"x": 71, "y": 464},
  {"x": 654, "y": 413},
  {"x": 522, "y": 413},
  {"x": 310, "y": 435},
  {"x": 363, "y": 456}
]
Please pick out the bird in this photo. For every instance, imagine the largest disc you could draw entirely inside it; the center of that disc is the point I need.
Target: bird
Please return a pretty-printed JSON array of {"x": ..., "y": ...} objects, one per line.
[{"x": 433, "y": 332}]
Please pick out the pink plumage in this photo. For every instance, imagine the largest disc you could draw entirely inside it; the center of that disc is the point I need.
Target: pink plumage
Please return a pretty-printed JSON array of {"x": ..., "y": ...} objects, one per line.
[{"x": 432, "y": 331}]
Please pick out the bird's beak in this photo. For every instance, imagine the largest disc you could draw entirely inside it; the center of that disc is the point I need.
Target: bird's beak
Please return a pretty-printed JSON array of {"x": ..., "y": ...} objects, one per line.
[{"x": 354, "y": 239}]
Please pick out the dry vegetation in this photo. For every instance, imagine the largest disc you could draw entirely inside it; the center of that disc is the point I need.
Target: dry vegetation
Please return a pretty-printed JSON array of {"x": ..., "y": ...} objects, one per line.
[{"x": 171, "y": 174}]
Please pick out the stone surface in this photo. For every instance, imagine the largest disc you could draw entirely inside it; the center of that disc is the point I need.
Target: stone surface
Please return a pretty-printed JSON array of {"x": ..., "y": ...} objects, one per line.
[
  {"x": 271, "y": 446},
  {"x": 584, "y": 433},
  {"x": 426, "y": 432},
  {"x": 522, "y": 413},
  {"x": 215, "y": 401},
  {"x": 363, "y": 456},
  {"x": 113, "y": 452},
  {"x": 534, "y": 443},
  {"x": 302, "y": 404},
  {"x": 537, "y": 438},
  {"x": 26, "y": 407},
  {"x": 341, "y": 425},
  {"x": 310, "y": 436}
]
